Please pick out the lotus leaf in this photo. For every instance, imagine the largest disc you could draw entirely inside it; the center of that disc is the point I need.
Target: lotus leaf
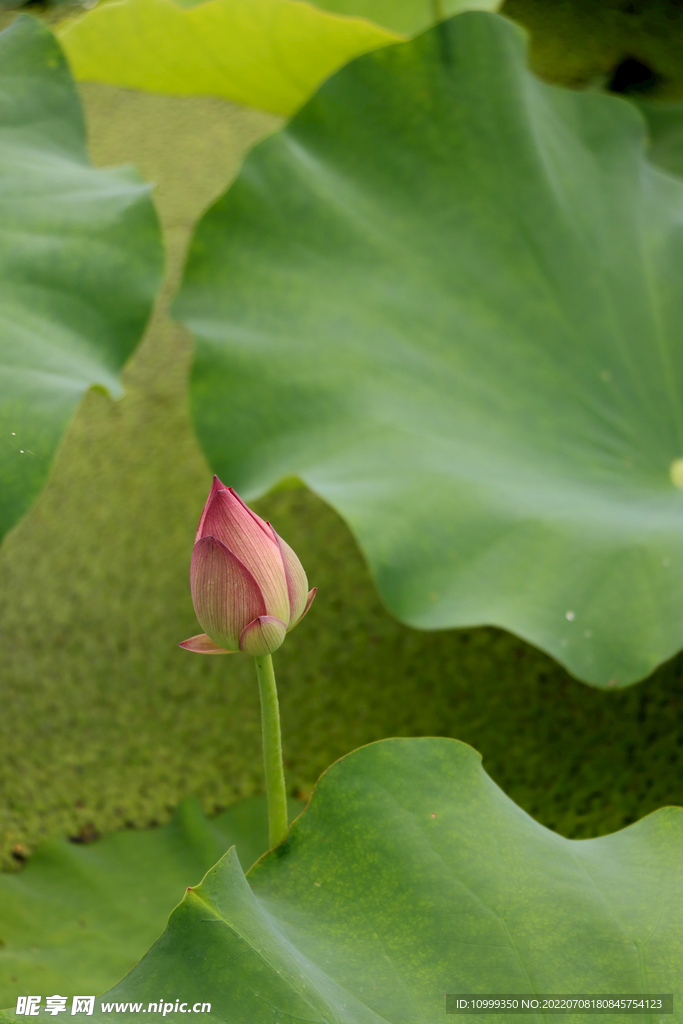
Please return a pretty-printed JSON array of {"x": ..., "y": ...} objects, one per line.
[
  {"x": 447, "y": 296},
  {"x": 406, "y": 16},
  {"x": 263, "y": 53},
  {"x": 409, "y": 876},
  {"x": 79, "y": 917},
  {"x": 665, "y": 121},
  {"x": 80, "y": 262}
]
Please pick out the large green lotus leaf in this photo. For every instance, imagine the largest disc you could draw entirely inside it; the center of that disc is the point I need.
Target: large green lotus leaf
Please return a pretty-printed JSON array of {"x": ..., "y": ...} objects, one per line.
[
  {"x": 77, "y": 918},
  {"x": 264, "y": 53},
  {"x": 406, "y": 16},
  {"x": 411, "y": 875},
  {"x": 448, "y": 297},
  {"x": 80, "y": 262}
]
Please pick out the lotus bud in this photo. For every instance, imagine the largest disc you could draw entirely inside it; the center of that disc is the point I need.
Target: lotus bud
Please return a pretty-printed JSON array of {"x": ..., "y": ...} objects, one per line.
[{"x": 248, "y": 587}]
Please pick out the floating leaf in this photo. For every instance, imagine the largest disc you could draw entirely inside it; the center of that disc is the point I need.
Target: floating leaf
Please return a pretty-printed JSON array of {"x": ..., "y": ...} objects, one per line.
[
  {"x": 77, "y": 918},
  {"x": 412, "y": 875},
  {"x": 80, "y": 262},
  {"x": 264, "y": 53},
  {"x": 448, "y": 297}
]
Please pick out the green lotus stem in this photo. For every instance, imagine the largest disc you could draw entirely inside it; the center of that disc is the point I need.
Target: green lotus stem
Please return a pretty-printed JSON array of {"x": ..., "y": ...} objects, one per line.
[
  {"x": 272, "y": 750},
  {"x": 437, "y": 10}
]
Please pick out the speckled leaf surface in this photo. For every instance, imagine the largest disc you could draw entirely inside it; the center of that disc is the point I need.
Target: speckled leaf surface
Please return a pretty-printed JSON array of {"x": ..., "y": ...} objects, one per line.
[
  {"x": 448, "y": 297},
  {"x": 270, "y": 54},
  {"x": 411, "y": 875},
  {"x": 80, "y": 262},
  {"x": 77, "y": 917}
]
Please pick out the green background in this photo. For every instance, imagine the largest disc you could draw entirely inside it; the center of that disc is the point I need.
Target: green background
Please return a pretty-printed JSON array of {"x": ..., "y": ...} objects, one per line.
[{"x": 106, "y": 723}]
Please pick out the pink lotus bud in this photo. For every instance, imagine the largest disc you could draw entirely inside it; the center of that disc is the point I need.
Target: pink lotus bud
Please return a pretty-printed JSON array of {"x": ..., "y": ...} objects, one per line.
[{"x": 248, "y": 587}]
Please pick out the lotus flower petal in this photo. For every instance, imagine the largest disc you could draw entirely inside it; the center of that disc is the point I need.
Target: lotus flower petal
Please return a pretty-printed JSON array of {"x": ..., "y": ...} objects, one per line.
[
  {"x": 309, "y": 602},
  {"x": 227, "y": 518},
  {"x": 216, "y": 486},
  {"x": 297, "y": 583},
  {"x": 225, "y": 594},
  {"x": 248, "y": 586},
  {"x": 203, "y": 644},
  {"x": 263, "y": 636}
]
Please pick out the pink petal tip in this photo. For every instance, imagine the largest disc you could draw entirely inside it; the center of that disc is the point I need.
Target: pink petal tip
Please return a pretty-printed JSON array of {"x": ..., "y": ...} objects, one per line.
[{"x": 203, "y": 644}]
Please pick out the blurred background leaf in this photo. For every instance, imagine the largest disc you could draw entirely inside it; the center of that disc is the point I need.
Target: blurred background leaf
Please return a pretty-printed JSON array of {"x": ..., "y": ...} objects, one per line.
[
  {"x": 483, "y": 374},
  {"x": 633, "y": 46},
  {"x": 80, "y": 263},
  {"x": 269, "y": 54},
  {"x": 80, "y": 916},
  {"x": 406, "y": 16},
  {"x": 665, "y": 121}
]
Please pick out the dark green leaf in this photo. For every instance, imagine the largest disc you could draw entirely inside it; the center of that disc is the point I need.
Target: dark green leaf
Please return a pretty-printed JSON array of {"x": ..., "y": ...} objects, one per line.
[
  {"x": 412, "y": 875},
  {"x": 80, "y": 262},
  {"x": 448, "y": 297}
]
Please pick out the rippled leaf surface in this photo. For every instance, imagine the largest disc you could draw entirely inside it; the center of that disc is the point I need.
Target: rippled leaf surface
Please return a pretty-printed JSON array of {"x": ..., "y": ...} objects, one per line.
[
  {"x": 264, "y": 53},
  {"x": 448, "y": 297},
  {"x": 80, "y": 262},
  {"x": 411, "y": 875}
]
